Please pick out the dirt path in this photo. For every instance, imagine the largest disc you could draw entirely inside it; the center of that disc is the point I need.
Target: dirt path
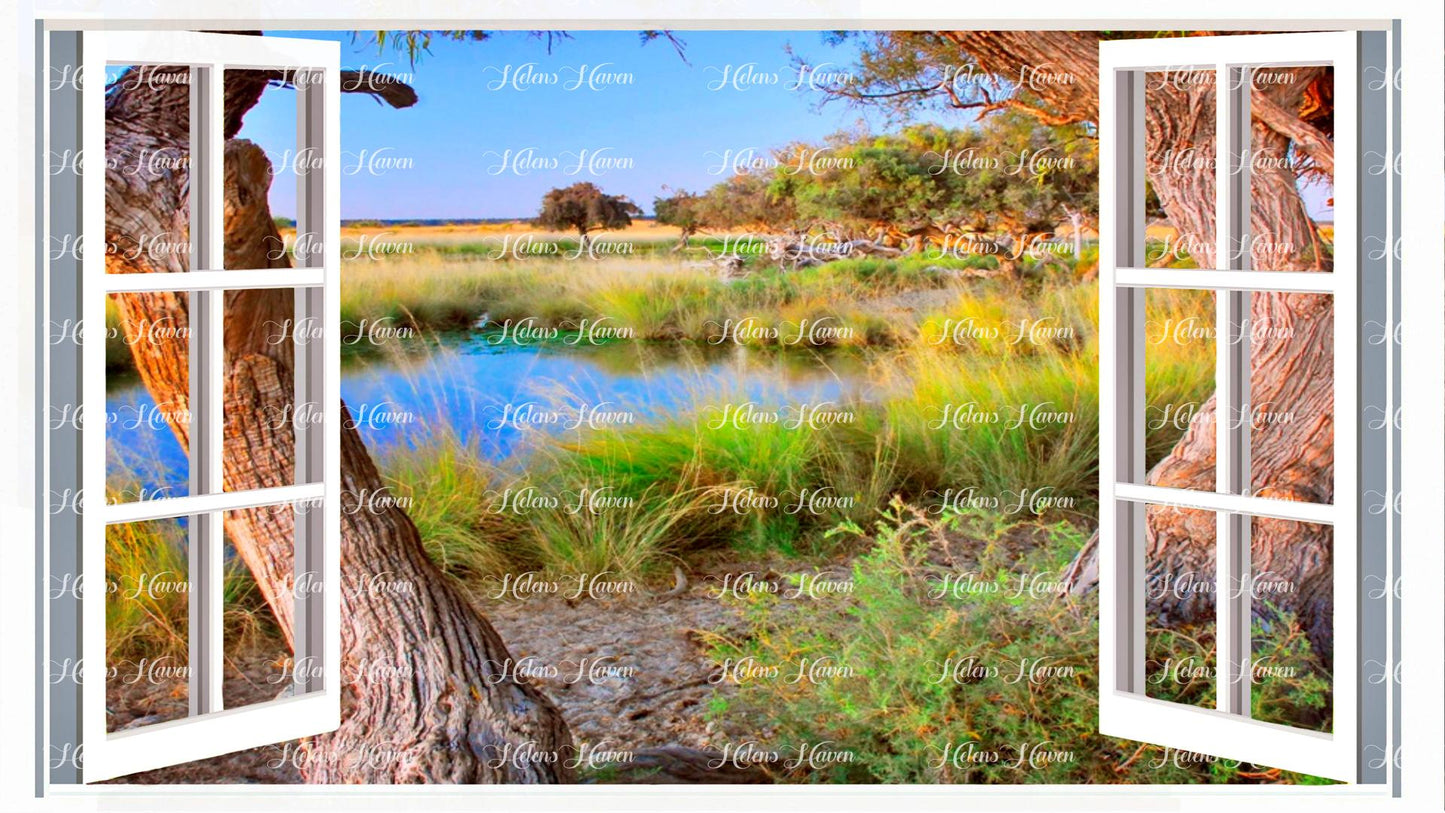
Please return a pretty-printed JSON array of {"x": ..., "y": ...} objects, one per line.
[
  {"x": 628, "y": 668},
  {"x": 629, "y": 672}
]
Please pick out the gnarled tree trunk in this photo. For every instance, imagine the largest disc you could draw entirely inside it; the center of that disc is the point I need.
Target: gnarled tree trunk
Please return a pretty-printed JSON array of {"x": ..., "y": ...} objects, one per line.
[
  {"x": 427, "y": 695},
  {"x": 1291, "y": 373}
]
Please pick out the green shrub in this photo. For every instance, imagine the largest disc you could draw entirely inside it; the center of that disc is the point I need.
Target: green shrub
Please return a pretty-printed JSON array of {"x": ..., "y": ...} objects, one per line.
[{"x": 903, "y": 698}]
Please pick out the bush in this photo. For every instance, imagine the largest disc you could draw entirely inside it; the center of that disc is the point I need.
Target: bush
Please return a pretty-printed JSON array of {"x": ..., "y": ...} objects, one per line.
[{"x": 922, "y": 677}]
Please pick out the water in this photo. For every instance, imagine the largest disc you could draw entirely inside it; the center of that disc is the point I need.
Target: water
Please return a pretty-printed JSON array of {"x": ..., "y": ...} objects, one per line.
[{"x": 499, "y": 394}]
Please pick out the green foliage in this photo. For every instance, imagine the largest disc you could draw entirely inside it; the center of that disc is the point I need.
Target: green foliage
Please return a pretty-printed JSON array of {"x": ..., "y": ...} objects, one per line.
[
  {"x": 681, "y": 209},
  {"x": 922, "y": 678},
  {"x": 749, "y": 200},
  {"x": 585, "y": 208},
  {"x": 1289, "y": 685},
  {"x": 118, "y": 360},
  {"x": 1009, "y": 174},
  {"x": 1039, "y": 362}
]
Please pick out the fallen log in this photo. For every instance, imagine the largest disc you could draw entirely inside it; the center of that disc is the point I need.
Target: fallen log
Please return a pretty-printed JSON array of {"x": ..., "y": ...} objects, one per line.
[
  {"x": 798, "y": 251},
  {"x": 727, "y": 266}
]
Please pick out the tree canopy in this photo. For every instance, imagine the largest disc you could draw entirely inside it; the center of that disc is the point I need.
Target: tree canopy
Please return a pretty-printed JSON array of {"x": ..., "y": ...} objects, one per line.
[
  {"x": 585, "y": 208},
  {"x": 1008, "y": 175}
]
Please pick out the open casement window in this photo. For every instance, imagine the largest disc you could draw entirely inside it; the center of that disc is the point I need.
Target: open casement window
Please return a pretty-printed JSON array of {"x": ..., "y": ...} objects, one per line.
[
  {"x": 186, "y": 511},
  {"x": 1174, "y": 670}
]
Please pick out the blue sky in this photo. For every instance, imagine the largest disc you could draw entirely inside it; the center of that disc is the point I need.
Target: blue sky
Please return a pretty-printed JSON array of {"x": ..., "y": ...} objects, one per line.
[
  {"x": 652, "y": 118},
  {"x": 437, "y": 158}
]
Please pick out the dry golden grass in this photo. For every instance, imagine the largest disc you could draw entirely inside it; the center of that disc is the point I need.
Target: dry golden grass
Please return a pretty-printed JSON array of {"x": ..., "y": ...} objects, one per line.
[
  {"x": 641, "y": 229},
  {"x": 441, "y": 235}
]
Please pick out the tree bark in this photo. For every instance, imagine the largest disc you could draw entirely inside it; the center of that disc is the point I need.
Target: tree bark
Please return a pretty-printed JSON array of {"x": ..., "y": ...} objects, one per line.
[
  {"x": 1291, "y": 383},
  {"x": 427, "y": 695},
  {"x": 1291, "y": 460}
]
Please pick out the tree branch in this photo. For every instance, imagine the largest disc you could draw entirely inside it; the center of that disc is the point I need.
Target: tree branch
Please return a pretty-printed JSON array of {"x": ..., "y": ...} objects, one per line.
[{"x": 1306, "y": 138}]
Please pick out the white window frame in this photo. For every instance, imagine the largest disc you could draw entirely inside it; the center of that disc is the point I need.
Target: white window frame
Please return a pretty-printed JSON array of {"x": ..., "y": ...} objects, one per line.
[
  {"x": 210, "y": 729},
  {"x": 1124, "y": 710},
  {"x": 1416, "y": 213}
]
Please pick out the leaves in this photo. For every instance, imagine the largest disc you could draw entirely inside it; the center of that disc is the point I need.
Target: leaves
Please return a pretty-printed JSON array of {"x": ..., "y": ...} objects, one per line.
[
  {"x": 1007, "y": 175},
  {"x": 585, "y": 207}
]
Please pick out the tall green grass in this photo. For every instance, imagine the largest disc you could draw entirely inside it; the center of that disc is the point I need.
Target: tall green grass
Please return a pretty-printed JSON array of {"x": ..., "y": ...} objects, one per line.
[
  {"x": 147, "y": 597},
  {"x": 653, "y": 295},
  {"x": 676, "y": 466}
]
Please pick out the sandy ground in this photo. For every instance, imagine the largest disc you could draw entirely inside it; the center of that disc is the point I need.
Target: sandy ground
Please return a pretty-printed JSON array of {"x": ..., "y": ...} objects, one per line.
[{"x": 645, "y": 677}]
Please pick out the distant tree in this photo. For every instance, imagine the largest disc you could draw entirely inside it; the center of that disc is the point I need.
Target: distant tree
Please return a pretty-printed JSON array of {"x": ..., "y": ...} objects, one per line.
[
  {"x": 749, "y": 200},
  {"x": 684, "y": 210},
  {"x": 586, "y": 208},
  {"x": 861, "y": 185}
]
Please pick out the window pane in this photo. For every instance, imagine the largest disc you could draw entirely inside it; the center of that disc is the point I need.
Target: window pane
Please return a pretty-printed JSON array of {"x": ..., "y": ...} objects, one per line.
[
  {"x": 1180, "y": 168},
  {"x": 264, "y": 162},
  {"x": 1179, "y": 602},
  {"x": 1179, "y": 360},
  {"x": 1292, "y": 186},
  {"x": 1291, "y": 399},
  {"x": 146, "y": 427},
  {"x": 1291, "y": 594},
  {"x": 262, "y": 414},
  {"x": 258, "y": 663},
  {"x": 147, "y": 613},
  {"x": 150, "y": 170}
]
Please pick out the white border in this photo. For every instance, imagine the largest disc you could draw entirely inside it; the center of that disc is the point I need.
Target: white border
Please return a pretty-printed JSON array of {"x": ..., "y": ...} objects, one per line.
[{"x": 1423, "y": 388}]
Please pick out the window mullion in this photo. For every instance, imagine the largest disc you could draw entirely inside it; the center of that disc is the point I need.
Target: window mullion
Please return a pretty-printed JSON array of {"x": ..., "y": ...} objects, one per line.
[
  {"x": 207, "y": 392},
  {"x": 232, "y": 280},
  {"x": 1123, "y": 406},
  {"x": 1232, "y": 475},
  {"x": 1210, "y": 279},
  {"x": 93, "y": 452},
  {"x": 309, "y": 369},
  {"x": 1231, "y": 398}
]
